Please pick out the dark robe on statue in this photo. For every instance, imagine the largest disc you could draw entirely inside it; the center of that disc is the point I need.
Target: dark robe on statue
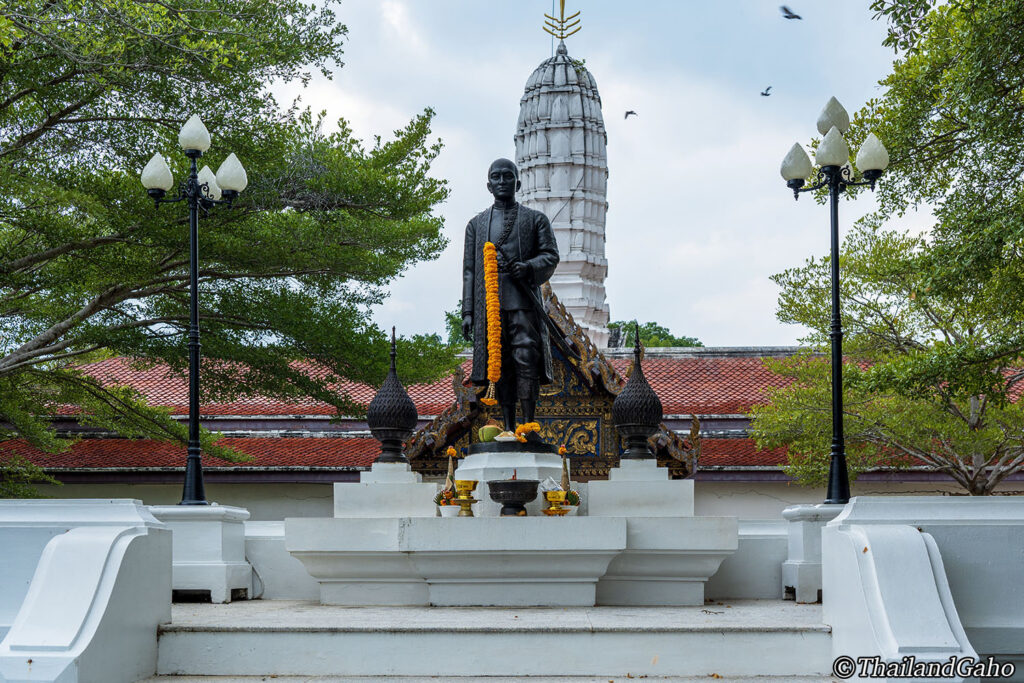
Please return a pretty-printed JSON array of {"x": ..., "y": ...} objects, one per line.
[{"x": 531, "y": 241}]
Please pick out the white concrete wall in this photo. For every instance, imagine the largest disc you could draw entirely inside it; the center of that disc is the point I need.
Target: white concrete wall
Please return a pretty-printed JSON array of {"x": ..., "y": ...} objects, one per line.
[
  {"x": 980, "y": 543},
  {"x": 91, "y": 580},
  {"x": 754, "y": 571},
  {"x": 265, "y": 502},
  {"x": 767, "y": 500},
  {"x": 276, "y": 574},
  {"x": 269, "y": 502}
]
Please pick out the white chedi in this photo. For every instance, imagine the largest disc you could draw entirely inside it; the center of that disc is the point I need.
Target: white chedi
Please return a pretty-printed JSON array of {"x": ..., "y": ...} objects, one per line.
[
  {"x": 194, "y": 135},
  {"x": 231, "y": 175},
  {"x": 157, "y": 174},
  {"x": 206, "y": 177},
  {"x": 832, "y": 150}
]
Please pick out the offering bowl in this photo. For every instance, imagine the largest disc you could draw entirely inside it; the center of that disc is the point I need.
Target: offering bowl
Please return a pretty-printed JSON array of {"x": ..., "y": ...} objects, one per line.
[{"x": 513, "y": 494}]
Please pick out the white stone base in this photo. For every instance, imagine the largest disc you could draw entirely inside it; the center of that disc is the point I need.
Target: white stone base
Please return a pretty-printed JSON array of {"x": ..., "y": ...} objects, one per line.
[
  {"x": 357, "y": 561},
  {"x": 391, "y": 472},
  {"x": 460, "y": 561},
  {"x": 638, "y": 470},
  {"x": 667, "y": 561},
  {"x": 485, "y": 467},
  {"x": 801, "y": 572},
  {"x": 639, "y": 488},
  {"x": 586, "y": 644},
  {"x": 387, "y": 490},
  {"x": 209, "y": 548}
]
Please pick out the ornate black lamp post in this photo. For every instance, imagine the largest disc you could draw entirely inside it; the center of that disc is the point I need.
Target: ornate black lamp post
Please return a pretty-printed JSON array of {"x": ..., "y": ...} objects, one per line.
[
  {"x": 636, "y": 411},
  {"x": 202, "y": 190},
  {"x": 391, "y": 415},
  {"x": 833, "y": 156}
]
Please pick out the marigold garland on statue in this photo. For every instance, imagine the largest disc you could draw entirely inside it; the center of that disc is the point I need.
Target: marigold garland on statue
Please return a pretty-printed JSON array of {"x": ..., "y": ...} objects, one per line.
[
  {"x": 526, "y": 428},
  {"x": 493, "y": 323}
]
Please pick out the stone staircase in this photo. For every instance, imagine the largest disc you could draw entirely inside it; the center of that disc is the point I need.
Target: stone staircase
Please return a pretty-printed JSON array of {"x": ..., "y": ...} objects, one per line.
[{"x": 303, "y": 641}]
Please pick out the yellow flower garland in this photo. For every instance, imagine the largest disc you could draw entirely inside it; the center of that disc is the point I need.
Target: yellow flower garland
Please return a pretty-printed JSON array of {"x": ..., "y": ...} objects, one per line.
[
  {"x": 493, "y": 322},
  {"x": 524, "y": 429}
]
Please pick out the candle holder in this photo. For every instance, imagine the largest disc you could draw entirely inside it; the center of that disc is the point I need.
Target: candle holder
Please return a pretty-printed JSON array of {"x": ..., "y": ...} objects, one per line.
[
  {"x": 555, "y": 500},
  {"x": 464, "y": 496}
]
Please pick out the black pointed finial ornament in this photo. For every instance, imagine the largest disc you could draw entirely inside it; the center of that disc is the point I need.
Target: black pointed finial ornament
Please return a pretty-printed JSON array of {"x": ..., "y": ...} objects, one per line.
[
  {"x": 636, "y": 411},
  {"x": 391, "y": 415}
]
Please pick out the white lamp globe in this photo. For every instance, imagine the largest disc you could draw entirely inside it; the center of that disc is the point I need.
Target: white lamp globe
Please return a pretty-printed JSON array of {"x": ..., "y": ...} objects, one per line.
[
  {"x": 832, "y": 150},
  {"x": 231, "y": 175},
  {"x": 194, "y": 135},
  {"x": 796, "y": 165},
  {"x": 833, "y": 114},
  {"x": 872, "y": 155},
  {"x": 212, "y": 189},
  {"x": 157, "y": 175}
]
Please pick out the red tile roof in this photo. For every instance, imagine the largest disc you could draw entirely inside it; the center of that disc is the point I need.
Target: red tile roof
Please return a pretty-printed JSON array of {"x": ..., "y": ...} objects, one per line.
[
  {"x": 147, "y": 453},
  {"x": 299, "y": 452},
  {"x": 686, "y": 385},
  {"x": 706, "y": 386},
  {"x": 164, "y": 388},
  {"x": 738, "y": 453}
]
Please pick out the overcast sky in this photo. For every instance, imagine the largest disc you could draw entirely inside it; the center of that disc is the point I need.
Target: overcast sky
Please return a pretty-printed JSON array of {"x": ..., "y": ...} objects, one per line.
[{"x": 698, "y": 217}]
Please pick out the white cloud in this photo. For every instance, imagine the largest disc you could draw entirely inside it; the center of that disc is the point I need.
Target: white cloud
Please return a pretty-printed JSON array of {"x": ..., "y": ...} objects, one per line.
[{"x": 699, "y": 217}]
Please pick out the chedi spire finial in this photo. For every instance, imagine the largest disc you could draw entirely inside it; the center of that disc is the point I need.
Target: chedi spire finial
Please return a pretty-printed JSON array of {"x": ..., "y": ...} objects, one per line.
[{"x": 562, "y": 27}]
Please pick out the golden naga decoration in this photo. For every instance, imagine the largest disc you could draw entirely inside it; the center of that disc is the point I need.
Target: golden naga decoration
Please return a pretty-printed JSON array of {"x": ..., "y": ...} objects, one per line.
[
  {"x": 493, "y": 323},
  {"x": 563, "y": 26}
]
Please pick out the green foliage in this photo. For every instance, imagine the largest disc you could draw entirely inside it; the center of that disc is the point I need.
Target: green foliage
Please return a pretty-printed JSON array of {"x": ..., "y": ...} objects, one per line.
[
  {"x": 453, "y": 327},
  {"x": 18, "y": 477},
  {"x": 933, "y": 334},
  {"x": 892, "y": 417},
  {"x": 952, "y": 118},
  {"x": 90, "y": 269},
  {"x": 651, "y": 335}
]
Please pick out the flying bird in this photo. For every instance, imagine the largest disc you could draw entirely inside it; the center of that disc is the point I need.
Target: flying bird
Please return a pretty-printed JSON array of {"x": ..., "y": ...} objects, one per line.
[
  {"x": 628, "y": 113},
  {"x": 788, "y": 13},
  {"x": 765, "y": 93}
]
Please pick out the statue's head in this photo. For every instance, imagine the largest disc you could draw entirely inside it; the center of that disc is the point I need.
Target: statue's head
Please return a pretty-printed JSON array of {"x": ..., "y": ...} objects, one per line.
[{"x": 503, "y": 180}]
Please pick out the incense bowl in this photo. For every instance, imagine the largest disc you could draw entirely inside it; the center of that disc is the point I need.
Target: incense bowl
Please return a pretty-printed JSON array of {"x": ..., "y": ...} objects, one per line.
[{"x": 513, "y": 494}]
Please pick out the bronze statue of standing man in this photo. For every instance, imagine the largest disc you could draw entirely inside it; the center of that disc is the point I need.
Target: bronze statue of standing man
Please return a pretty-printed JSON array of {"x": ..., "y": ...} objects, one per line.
[{"x": 526, "y": 256}]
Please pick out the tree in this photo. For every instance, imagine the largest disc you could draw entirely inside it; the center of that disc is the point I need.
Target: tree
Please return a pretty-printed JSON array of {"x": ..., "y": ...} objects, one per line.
[
  {"x": 453, "y": 327},
  {"x": 651, "y": 335},
  {"x": 890, "y": 318},
  {"x": 89, "y": 268},
  {"x": 953, "y": 122},
  {"x": 934, "y": 338},
  {"x": 19, "y": 476}
]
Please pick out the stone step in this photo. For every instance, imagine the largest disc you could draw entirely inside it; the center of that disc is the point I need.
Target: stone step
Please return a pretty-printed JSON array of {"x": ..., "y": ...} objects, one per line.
[
  {"x": 479, "y": 679},
  {"x": 304, "y": 640}
]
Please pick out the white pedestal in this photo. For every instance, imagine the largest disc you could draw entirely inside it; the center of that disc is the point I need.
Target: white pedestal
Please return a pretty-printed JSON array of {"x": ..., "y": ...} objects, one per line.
[
  {"x": 208, "y": 548},
  {"x": 357, "y": 561},
  {"x": 667, "y": 561},
  {"x": 389, "y": 489},
  {"x": 638, "y": 470},
  {"x": 639, "y": 488},
  {"x": 456, "y": 562},
  {"x": 514, "y": 561},
  {"x": 801, "y": 572},
  {"x": 485, "y": 467}
]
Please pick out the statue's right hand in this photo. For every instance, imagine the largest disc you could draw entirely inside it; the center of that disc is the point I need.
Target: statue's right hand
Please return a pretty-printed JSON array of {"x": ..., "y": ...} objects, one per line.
[{"x": 467, "y": 327}]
